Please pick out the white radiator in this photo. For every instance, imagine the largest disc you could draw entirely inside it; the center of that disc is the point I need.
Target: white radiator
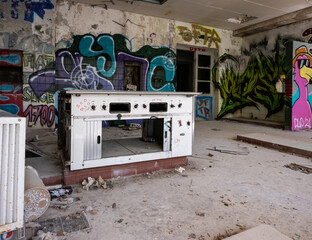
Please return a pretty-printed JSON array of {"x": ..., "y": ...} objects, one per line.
[{"x": 12, "y": 167}]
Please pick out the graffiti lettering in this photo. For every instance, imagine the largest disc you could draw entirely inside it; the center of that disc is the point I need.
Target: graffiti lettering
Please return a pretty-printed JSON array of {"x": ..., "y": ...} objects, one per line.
[
  {"x": 197, "y": 49},
  {"x": 255, "y": 84},
  {"x": 204, "y": 107},
  {"x": 29, "y": 96},
  {"x": 301, "y": 109},
  {"x": 45, "y": 114},
  {"x": 198, "y": 33},
  {"x": 91, "y": 60},
  {"x": 32, "y": 6},
  {"x": 37, "y": 62},
  {"x": 300, "y": 123}
]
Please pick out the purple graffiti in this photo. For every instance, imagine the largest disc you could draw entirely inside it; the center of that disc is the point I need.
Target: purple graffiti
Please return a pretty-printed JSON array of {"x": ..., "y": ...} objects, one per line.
[
  {"x": 80, "y": 76},
  {"x": 44, "y": 113},
  {"x": 301, "y": 110}
]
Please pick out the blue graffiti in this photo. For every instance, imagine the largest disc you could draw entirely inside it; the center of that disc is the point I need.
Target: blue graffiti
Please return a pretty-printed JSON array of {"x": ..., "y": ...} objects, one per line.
[
  {"x": 168, "y": 65},
  {"x": 36, "y": 7},
  {"x": 14, "y": 11},
  {"x": 11, "y": 59},
  {"x": 107, "y": 44},
  {"x": 3, "y": 98},
  {"x": 32, "y": 7},
  {"x": 98, "y": 63},
  {"x": 11, "y": 108},
  {"x": 6, "y": 88},
  {"x": 204, "y": 107}
]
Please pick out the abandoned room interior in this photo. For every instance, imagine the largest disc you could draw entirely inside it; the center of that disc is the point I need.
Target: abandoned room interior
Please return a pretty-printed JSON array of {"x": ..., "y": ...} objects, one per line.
[{"x": 155, "y": 119}]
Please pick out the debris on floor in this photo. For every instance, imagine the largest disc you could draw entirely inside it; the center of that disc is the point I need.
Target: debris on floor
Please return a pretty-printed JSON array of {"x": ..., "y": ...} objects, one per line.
[
  {"x": 241, "y": 151},
  {"x": 299, "y": 168},
  {"x": 228, "y": 233},
  {"x": 132, "y": 126},
  {"x": 92, "y": 183},
  {"x": 60, "y": 192},
  {"x": 41, "y": 235},
  {"x": 71, "y": 223},
  {"x": 63, "y": 202},
  {"x": 180, "y": 170},
  {"x": 199, "y": 213}
]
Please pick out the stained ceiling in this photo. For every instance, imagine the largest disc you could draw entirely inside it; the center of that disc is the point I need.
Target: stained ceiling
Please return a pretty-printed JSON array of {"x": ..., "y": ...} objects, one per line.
[{"x": 244, "y": 17}]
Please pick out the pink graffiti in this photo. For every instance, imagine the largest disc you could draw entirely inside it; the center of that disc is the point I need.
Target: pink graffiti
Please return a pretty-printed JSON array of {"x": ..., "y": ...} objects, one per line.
[
  {"x": 203, "y": 109},
  {"x": 301, "y": 110},
  {"x": 44, "y": 113}
]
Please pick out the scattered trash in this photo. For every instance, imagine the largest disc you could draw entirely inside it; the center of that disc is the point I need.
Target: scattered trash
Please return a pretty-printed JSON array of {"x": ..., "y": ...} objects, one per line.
[
  {"x": 41, "y": 235},
  {"x": 230, "y": 151},
  {"x": 180, "y": 170},
  {"x": 120, "y": 220},
  {"x": 56, "y": 193},
  {"x": 147, "y": 174},
  {"x": 199, "y": 213},
  {"x": 89, "y": 209},
  {"x": 299, "y": 168},
  {"x": 62, "y": 202},
  {"x": 148, "y": 139},
  {"x": 210, "y": 155},
  {"x": 70, "y": 223},
  {"x": 201, "y": 237},
  {"x": 132, "y": 126},
  {"x": 91, "y": 183}
]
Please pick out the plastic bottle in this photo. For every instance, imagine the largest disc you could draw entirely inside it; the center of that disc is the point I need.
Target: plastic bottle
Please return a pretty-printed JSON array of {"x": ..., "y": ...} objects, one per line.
[{"x": 56, "y": 193}]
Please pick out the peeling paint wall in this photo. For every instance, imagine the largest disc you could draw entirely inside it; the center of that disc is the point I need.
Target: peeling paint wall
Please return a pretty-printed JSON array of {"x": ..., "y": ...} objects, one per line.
[
  {"x": 29, "y": 26},
  {"x": 47, "y": 36}
]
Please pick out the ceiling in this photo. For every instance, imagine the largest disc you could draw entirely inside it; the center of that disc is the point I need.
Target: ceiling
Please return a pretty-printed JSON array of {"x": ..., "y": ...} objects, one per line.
[{"x": 259, "y": 15}]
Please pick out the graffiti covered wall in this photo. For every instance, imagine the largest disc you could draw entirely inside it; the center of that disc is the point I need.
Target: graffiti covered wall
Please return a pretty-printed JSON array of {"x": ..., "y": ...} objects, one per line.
[
  {"x": 108, "y": 51},
  {"x": 28, "y": 26},
  {"x": 258, "y": 83},
  {"x": 97, "y": 63},
  {"x": 301, "y": 85}
]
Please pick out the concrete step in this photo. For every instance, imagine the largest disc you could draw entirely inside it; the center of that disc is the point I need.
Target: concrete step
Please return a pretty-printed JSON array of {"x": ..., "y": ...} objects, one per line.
[
  {"x": 262, "y": 232},
  {"x": 285, "y": 144}
]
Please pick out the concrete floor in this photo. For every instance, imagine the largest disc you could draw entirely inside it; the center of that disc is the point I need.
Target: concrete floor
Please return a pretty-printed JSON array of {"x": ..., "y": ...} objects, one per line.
[{"x": 219, "y": 193}]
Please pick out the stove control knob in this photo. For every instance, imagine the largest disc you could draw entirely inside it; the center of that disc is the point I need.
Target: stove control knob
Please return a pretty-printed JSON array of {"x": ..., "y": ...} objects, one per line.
[
  {"x": 172, "y": 106},
  {"x": 144, "y": 106},
  {"x": 93, "y": 107},
  {"x": 136, "y": 105},
  {"x": 104, "y": 107},
  {"x": 180, "y": 105}
]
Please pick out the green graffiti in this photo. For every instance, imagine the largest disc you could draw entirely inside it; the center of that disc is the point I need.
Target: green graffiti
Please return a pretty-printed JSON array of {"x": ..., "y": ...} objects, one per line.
[{"x": 255, "y": 85}]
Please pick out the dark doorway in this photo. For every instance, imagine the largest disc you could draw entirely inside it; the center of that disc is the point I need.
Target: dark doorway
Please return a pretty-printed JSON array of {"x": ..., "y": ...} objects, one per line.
[
  {"x": 132, "y": 76},
  {"x": 185, "y": 71}
]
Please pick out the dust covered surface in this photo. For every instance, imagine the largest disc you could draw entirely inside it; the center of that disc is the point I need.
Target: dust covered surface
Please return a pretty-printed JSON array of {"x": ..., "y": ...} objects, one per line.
[{"x": 217, "y": 195}]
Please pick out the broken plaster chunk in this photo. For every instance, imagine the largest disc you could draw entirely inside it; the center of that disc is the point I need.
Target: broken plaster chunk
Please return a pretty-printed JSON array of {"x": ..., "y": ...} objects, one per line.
[
  {"x": 89, "y": 209},
  {"x": 199, "y": 213},
  {"x": 180, "y": 170},
  {"x": 88, "y": 184}
]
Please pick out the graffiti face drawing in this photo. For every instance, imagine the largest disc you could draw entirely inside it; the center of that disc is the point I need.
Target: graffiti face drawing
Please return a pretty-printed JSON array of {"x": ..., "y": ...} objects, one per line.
[{"x": 301, "y": 110}]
